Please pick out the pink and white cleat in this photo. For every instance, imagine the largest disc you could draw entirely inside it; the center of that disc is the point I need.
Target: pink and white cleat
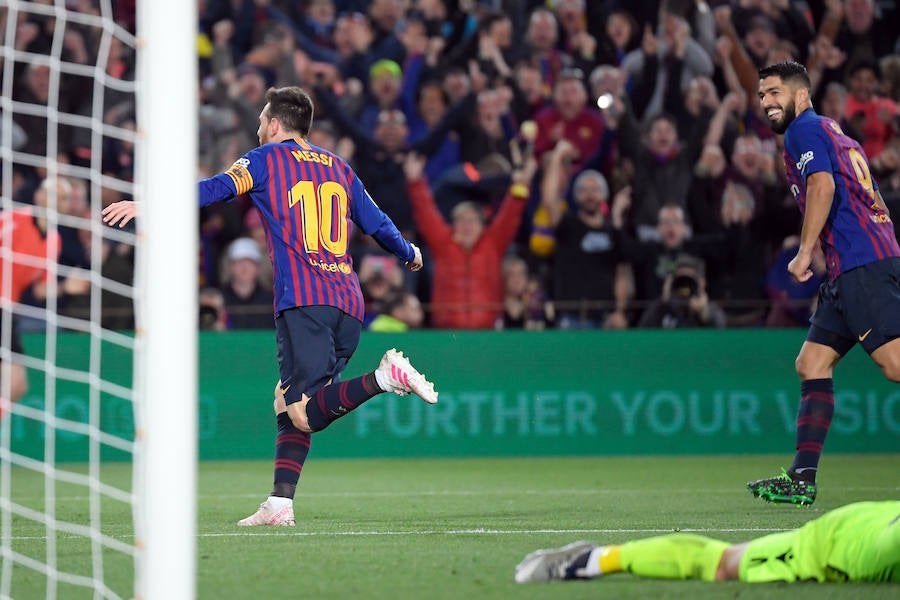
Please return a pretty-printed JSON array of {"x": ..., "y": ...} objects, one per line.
[
  {"x": 395, "y": 374},
  {"x": 267, "y": 515}
]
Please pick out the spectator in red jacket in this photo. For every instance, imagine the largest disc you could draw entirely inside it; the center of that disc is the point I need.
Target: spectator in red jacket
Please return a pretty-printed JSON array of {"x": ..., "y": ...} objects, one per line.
[
  {"x": 467, "y": 290},
  {"x": 25, "y": 232}
]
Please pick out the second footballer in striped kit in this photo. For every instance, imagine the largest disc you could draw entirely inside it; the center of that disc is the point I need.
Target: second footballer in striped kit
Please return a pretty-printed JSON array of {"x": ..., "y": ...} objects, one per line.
[{"x": 859, "y": 302}]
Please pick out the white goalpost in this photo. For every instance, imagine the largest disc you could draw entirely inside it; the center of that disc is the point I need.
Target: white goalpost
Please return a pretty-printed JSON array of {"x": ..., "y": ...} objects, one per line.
[
  {"x": 167, "y": 111},
  {"x": 98, "y": 458}
]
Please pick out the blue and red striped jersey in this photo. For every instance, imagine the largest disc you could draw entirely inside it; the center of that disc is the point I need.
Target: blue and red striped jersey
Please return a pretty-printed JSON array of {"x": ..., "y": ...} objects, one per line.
[
  {"x": 858, "y": 231},
  {"x": 308, "y": 199}
]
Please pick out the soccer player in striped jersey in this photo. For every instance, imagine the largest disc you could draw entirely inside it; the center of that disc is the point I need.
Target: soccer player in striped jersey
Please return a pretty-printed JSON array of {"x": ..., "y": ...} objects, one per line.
[
  {"x": 307, "y": 198},
  {"x": 859, "y": 302}
]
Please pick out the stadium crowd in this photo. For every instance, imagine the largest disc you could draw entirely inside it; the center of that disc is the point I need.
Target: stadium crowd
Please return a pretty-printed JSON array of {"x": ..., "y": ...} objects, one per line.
[{"x": 657, "y": 197}]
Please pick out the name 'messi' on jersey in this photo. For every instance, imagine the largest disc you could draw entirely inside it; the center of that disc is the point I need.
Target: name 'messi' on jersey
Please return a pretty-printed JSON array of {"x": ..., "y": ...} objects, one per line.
[
  {"x": 312, "y": 156},
  {"x": 243, "y": 180}
]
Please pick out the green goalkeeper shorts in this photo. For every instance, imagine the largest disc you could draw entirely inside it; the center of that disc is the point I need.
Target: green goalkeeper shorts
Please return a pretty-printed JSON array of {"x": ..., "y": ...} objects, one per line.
[{"x": 857, "y": 542}]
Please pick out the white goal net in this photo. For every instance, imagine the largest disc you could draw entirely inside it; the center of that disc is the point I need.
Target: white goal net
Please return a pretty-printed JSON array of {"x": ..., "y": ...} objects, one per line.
[{"x": 98, "y": 324}]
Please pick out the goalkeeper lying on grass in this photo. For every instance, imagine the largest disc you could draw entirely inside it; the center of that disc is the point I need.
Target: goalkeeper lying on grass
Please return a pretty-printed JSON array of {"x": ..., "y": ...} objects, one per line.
[{"x": 857, "y": 542}]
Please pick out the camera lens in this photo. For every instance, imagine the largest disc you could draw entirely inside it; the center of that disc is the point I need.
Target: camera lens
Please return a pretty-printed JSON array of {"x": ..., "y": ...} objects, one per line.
[
  {"x": 208, "y": 316},
  {"x": 684, "y": 286}
]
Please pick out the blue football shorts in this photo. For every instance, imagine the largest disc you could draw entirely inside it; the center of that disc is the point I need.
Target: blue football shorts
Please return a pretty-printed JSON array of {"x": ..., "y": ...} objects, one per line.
[
  {"x": 315, "y": 343},
  {"x": 860, "y": 306}
]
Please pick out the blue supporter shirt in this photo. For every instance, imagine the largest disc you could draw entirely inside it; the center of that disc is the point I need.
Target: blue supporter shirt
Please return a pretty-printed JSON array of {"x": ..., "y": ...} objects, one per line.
[
  {"x": 858, "y": 231},
  {"x": 308, "y": 197}
]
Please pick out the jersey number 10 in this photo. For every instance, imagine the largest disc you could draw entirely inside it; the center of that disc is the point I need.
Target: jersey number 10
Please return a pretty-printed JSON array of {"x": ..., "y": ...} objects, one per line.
[{"x": 324, "y": 214}]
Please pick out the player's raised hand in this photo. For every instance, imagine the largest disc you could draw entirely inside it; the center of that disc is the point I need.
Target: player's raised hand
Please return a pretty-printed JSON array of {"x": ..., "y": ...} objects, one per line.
[
  {"x": 119, "y": 213},
  {"x": 416, "y": 263}
]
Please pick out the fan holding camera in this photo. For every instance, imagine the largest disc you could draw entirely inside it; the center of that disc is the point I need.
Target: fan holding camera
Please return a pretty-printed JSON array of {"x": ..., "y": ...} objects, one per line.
[{"x": 684, "y": 301}]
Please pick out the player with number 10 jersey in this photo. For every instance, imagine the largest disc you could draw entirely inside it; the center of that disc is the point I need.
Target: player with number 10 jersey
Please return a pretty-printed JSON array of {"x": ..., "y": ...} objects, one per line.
[
  {"x": 309, "y": 198},
  {"x": 305, "y": 195}
]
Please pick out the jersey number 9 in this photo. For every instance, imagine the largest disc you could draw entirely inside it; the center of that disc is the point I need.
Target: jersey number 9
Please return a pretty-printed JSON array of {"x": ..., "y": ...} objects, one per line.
[{"x": 862, "y": 171}]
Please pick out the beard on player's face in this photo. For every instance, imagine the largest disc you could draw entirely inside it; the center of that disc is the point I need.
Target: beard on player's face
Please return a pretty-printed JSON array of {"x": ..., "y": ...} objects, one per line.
[
  {"x": 783, "y": 116},
  {"x": 262, "y": 135}
]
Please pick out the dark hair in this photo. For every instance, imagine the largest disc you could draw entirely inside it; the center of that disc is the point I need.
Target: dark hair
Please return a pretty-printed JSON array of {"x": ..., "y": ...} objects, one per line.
[
  {"x": 488, "y": 20},
  {"x": 788, "y": 71},
  {"x": 432, "y": 82},
  {"x": 394, "y": 300},
  {"x": 571, "y": 73},
  {"x": 864, "y": 64},
  {"x": 661, "y": 116},
  {"x": 293, "y": 108}
]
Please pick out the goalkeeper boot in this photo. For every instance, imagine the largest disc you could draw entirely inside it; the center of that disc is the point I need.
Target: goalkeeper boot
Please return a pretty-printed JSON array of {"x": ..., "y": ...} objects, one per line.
[
  {"x": 787, "y": 488},
  {"x": 269, "y": 515},
  {"x": 555, "y": 564},
  {"x": 395, "y": 374}
]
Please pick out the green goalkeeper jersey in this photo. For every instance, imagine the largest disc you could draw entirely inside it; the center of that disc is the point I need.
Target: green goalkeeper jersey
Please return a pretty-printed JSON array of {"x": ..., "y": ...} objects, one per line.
[{"x": 857, "y": 542}]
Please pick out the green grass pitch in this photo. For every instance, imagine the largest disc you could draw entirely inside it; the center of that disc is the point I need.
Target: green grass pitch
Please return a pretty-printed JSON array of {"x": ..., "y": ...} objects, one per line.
[{"x": 433, "y": 529}]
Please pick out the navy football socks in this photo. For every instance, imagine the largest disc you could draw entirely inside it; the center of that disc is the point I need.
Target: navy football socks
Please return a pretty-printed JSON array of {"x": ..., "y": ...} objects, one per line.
[
  {"x": 813, "y": 422},
  {"x": 336, "y": 400}
]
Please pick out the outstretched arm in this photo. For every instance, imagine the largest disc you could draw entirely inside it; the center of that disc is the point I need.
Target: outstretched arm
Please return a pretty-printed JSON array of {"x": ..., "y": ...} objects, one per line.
[
  {"x": 430, "y": 224},
  {"x": 237, "y": 180},
  {"x": 555, "y": 173},
  {"x": 743, "y": 66},
  {"x": 506, "y": 223},
  {"x": 373, "y": 221}
]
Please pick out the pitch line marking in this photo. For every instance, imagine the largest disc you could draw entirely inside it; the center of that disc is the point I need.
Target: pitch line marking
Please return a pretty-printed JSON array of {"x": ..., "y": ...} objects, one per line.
[
  {"x": 268, "y": 531},
  {"x": 480, "y": 531}
]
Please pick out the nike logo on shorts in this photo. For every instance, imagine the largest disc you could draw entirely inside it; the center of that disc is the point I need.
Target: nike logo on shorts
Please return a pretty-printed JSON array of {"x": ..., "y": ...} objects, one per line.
[{"x": 863, "y": 337}]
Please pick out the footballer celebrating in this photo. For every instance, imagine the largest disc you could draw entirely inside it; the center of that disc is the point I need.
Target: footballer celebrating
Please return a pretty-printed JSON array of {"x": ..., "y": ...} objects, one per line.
[
  {"x": 308, "y": 199},
  {"x": 859, "y": 302}
]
